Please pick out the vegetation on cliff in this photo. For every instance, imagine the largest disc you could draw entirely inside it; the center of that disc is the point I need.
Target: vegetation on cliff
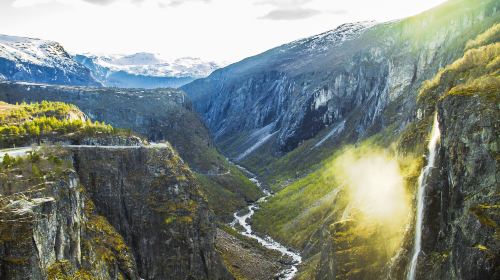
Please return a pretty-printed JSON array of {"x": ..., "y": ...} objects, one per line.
[{"x": 22, "y": 124}]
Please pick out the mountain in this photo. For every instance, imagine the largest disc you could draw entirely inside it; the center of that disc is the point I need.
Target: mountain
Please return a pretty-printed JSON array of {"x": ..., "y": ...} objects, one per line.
[
  {"x": 40, "y": 61},
  {"x": 339, "y": 84},
  {"x": 145, "y": 70},
  {"x": 380, "y": 141}
]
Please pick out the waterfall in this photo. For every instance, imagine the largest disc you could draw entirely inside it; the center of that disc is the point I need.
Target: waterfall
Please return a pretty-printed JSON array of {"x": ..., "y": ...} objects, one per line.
[{"x": 422, "y": 183}]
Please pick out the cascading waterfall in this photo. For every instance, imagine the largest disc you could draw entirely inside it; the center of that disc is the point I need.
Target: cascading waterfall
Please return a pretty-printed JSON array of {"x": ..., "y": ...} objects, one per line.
[{"x": 422, "y": 184}]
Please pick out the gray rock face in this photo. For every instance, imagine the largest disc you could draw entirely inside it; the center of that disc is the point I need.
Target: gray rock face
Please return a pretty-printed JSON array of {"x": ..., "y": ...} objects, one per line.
[
  {"x": 349, "y": 75},
  {"x": 460, "y": 230},
  {"x": 151, "y": 198},
  {"x": 122, "y": 213},
  {"x": 50, "y": 233}
]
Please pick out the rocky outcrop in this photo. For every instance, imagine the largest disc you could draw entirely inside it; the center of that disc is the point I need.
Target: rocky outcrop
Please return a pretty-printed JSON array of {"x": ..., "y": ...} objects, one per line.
[
  {"x": 150, "y": 196},
  {"x": 105, "y": 213},
  {"x": 460, "y": 230},
  {"x": 55, "y": 233}
]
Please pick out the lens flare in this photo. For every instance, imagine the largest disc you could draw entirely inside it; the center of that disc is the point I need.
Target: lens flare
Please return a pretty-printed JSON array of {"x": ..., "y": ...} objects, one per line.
[{"x": 376, "y": 187}]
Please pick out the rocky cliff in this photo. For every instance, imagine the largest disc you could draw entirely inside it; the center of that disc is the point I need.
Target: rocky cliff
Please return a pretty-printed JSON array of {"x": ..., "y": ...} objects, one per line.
[
  {"x": 150, "y": 196},
  {"x": 460, "y": 227},
  {"x": 106, "y": 213},
  {"x": 50, "y": 229}
]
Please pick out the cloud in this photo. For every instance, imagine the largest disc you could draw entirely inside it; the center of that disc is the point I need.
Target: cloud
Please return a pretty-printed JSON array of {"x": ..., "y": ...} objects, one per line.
[
  {"x": 337, "y": 12},
  {"x": 285, "y": 4},
  {"x": 161, "y": 3},
  {"x": 288, "y": 9},
  {"x": 291, "y": 14},
  {"x": 100, "y": 2}
]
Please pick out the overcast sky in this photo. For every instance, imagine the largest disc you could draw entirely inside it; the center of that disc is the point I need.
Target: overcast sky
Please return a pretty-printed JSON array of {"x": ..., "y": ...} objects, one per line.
[{"x": 221, "y": 30}]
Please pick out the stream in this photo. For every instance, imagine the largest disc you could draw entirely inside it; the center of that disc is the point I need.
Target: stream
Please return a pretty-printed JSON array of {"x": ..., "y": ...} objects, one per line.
[{"x": 244, "y": 221}]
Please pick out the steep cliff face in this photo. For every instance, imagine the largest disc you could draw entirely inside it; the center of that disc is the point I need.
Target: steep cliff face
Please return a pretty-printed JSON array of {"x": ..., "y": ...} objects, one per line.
[
  {"x": 151, "y": 198},
  {"x": 460, "y": 223},
  {"x": 460, "y": 231},
  {"x": 122, "y": 213},
  {"x": 50, "y": 230},
  {"x": 344, "y": 79}
]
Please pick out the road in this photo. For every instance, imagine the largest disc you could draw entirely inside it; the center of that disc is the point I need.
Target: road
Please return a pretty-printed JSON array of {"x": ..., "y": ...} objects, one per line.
[{"x": 22, "y": 151}]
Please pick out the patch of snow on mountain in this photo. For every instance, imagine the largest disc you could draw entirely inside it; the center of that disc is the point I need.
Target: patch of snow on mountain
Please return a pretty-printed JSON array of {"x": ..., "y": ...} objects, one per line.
[
  {"x": 257, "y": 139},
  {"x": 35, "y": 51},
  {"x": 336, "y": 130},
  {"x": 148, "y": 64},
  {"x": 326, "y": 40}
]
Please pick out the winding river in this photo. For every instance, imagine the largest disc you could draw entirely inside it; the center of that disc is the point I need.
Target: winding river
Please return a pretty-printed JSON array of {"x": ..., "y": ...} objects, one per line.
[{"x": 244, "y": 221}]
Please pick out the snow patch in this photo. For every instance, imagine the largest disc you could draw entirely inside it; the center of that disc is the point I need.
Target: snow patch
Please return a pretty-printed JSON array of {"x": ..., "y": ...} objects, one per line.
[
  {"x": 337, "y": 129},
  {"x": 259, "y": 137},
  {"x": 149, "y": 64}
]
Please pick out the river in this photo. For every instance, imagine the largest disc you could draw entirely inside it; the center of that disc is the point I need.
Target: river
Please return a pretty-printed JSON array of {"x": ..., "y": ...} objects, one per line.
[{"x": 244, "y": 220}]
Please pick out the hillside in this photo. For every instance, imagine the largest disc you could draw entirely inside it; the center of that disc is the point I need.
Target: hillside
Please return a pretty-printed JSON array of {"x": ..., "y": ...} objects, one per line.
[
  {"x": 283, "y": 111},
  {"x": 320, "y": 213},
  {"x": 35, "y": 123}
]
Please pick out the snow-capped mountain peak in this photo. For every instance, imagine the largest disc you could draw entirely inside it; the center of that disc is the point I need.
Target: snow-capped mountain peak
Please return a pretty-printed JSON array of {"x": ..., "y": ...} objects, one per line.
[
  {"x": 149, "y": 64},
  {"x": 37, "y": 60},
  {"x": 335, "y": 37}
]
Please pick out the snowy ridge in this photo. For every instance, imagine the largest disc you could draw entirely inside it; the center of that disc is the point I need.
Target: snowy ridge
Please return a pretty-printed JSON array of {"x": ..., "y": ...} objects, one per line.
[
  {"x": 35, "y": 51},
  {"x": 153, "y": 65},
  {"x": 335, "y": 37},
  {"x": 40, "y": 61}
]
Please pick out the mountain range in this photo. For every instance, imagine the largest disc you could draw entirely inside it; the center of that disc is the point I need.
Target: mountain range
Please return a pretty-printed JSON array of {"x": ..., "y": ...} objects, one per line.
[
  {"x": 145, "y": 70},
  {"x": 369, "y": 151},
  {"x": 43, "y": 61}
]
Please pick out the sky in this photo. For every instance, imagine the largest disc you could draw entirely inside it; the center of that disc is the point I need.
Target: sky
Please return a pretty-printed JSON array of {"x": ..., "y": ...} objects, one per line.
[{"x": 217, "y": 30}]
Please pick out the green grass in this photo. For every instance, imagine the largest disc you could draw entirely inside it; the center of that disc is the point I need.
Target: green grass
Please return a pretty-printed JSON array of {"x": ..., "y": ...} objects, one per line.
[
  {"x": 229, "y": 192},
  {"x": 23, "y": 124}
]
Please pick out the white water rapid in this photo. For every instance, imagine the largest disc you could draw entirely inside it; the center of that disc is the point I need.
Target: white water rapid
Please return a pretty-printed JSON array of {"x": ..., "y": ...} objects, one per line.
[
  {"x": 244, "y": 221},
  {"x": 422, "y": 184}
]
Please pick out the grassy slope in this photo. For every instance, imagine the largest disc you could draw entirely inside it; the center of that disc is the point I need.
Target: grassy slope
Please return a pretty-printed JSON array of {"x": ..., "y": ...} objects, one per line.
[
  {"x": 228, "y": 192},
  {"x": 296, "y": 212}
]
